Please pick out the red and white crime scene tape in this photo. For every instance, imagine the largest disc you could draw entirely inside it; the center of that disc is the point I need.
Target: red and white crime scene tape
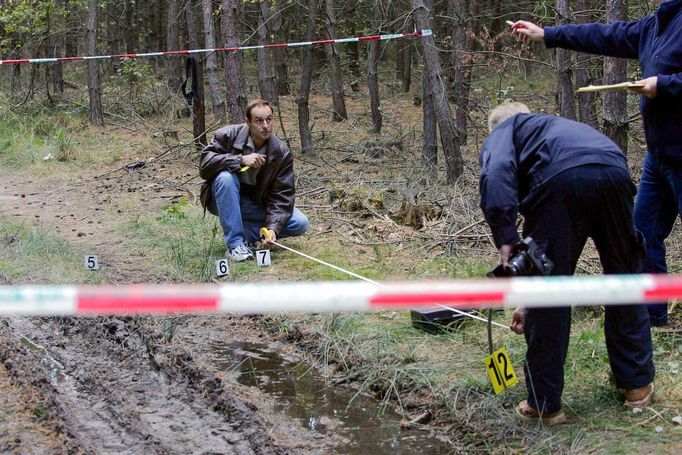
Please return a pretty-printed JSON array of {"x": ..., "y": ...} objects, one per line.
[
  {"x": 387, "y": 37},
  {"x": 346, "y": 296}
]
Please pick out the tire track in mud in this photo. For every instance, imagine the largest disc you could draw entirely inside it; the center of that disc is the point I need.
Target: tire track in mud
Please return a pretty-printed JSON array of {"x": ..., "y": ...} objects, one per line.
[{"x": 111, "y": 397}]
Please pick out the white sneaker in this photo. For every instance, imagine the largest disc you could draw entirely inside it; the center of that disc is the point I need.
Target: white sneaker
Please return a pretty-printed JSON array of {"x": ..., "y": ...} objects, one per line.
[{"x": 241, "y": 253}]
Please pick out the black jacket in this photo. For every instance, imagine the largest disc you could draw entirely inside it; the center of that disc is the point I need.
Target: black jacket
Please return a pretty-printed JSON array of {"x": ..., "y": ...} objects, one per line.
[
  {"x": 275, "y": 181},
  {"x": 656, "y": 41},
  {"x": 523, "y": 153}
]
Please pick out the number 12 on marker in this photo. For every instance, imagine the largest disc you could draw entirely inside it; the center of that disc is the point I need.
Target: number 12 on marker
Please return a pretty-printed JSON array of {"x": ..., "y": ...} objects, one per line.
[{"x": 500, "y": 370}]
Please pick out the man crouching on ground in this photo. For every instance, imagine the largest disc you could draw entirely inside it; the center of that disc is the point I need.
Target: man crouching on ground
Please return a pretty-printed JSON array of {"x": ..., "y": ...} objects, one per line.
[
  {"x": 249, "y": 182},
  {"x": 569, "y": 182}
]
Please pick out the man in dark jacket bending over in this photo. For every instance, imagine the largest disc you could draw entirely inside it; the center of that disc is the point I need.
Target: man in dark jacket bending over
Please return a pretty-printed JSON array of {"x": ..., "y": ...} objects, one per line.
[
  {"x": 569, "y": 182},
  {"x": 655, "y": 42},
  {"x": 249, "y": 183}
]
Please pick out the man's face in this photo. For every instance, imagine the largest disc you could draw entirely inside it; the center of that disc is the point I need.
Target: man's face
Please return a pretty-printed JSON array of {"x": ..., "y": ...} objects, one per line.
[{"x": 260, "y": 125}]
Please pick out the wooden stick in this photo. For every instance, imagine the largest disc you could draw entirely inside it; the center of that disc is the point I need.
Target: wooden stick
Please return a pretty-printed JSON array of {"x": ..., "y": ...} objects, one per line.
[{"x": 621, "y": 86}]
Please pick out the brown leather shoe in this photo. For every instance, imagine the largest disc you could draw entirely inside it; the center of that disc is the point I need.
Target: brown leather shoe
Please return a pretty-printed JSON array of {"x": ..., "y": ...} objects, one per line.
[
  {"x": 639, "y": 398},
  {"x": 548, "y": 418}
]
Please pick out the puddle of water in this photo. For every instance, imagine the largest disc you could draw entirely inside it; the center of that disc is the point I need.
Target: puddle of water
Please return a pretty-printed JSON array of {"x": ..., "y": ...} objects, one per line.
[
  {"x": 56, "y": 369},
  {"x": 302, "y": 393}
]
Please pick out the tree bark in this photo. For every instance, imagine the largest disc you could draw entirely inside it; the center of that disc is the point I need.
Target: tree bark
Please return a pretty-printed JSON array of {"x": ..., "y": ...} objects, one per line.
[
  {"x": 112, "y": 27},
  {"x": 193, "y": 34},
  {"x": 173, "y": 64},
  {"x": 211, "y": 63},
  {"x": 565, "y": 100},
  {"x": 430, "y": 126},
  {"x": 266, "y": 77},
  {"x": 614, "y": 109},
  {"x": 306, "y": 79},
  {"x": 130, "y": 36},
  {"x": 448, "y": 132},
  {"x": 403, "y": 58},
  {"x": 94, "y": 92},
  {"x": 460, "y": 62},
  {"x": 234, "y": 65},
  {"x": 583, "y": 76},
  {"x": 280, "y": 54},
  {"x": 57, "y": 49},
  {"x": 338, "y": 100},
  {"x": 372, "y": 78},
  {"x": 198, "y": 107}
]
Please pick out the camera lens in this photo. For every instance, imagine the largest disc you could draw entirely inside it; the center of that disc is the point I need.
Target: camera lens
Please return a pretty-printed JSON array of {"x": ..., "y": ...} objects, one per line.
[{"x": 516, "y": 266}]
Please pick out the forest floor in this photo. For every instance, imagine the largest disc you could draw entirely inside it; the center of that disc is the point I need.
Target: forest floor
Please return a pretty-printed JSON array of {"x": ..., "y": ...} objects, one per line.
[{"x": 205, "y": 384}]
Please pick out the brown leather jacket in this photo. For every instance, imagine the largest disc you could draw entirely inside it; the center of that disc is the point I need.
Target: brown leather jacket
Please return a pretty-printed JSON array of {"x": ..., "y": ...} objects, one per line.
[{"x": 275, "y": 181}]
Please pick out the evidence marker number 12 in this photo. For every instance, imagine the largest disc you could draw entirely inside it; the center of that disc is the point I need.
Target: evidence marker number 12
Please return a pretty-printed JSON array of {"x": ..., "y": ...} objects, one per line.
[{"x": 500, "y": 370}]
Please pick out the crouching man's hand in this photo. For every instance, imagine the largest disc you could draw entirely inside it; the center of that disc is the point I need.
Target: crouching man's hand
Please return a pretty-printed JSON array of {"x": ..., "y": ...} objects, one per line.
[
  {"x": 505, "y": 253},
  {"x": 267, "y": 237},
  {"x": 518, "y": 318}
]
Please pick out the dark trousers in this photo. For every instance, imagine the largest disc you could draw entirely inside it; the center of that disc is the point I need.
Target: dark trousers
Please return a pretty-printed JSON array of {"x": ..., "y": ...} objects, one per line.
[
  {"x": 587, "y": 201},
  {"x": 659, "y": 203}
]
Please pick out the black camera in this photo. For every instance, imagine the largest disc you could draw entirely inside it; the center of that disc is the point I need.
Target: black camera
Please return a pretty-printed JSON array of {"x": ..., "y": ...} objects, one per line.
[{"x": 526, "y": 259}]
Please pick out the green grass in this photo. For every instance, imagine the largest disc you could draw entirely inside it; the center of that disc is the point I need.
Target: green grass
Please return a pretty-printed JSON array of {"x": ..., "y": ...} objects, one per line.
[
  {"x": 46, "y": 140},
  {"x": 182, "y": 244},
  {"x": 29, "y": 254}
]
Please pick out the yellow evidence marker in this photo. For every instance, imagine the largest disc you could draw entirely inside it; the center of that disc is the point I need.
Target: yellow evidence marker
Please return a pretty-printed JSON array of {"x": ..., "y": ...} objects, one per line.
[{"x": 500, "y": 370}]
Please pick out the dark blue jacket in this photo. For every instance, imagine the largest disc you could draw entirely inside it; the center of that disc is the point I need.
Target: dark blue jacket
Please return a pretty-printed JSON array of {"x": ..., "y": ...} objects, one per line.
[
  {"x": 523, "y": 153},
  {"x": 656, "y": 41}
]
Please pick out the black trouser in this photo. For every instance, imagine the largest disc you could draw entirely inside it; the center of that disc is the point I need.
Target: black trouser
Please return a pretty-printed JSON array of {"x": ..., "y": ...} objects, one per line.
[{"x": 587, "y": 201}]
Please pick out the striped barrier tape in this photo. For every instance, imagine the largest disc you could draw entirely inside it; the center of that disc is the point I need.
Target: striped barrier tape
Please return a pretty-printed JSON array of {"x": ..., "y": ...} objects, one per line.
[
  {"x": 356, "y": 39},
  {"x": 337, "y": 296}
]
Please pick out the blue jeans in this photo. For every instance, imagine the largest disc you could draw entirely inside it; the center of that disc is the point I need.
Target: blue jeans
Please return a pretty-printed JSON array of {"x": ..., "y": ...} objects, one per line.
[
  {"x": 659, "y": 202},
  {"x": 241, "y": 217}
]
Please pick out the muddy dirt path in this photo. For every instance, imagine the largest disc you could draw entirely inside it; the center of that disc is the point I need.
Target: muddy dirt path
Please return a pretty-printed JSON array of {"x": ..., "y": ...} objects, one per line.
[{"x": 117, "y": 385}]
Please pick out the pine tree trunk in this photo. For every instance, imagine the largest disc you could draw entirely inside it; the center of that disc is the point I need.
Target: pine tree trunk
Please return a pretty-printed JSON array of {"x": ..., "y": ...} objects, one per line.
[
  {"x": 583, "y": 76},
  {"x": 173, "y": 64},
  {"x": 111, "y": 27},
  {"x": 565, "y": 100},
  {"x": 198, "y": 106},
  {"x": 57, "y": 49},
  {"x": 280, "y": 54},
  {"x": 430, "y": 126},
  {"x": 339, "y": 102},
  {"x": 94, "y": 91},
  {"x": 306, "y": 79},
  {"x": 266, "y": 77},
  {"x": 461, "y": 61},
  {"x": 130, "y": 32},
  {"x": 234, "y": 66},
  {"x": 193, "y": 34},
  {"x": 446, "y": 124},
  {"x": 614, "y": 108},
  {"x": 372, "y": 77},
  {"x": 403, "y": 57},
  {"x": 211, "y": 62}
]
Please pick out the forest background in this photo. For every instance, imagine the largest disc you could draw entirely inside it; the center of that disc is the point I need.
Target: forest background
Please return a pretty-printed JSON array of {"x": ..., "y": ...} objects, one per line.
[{"x": 386, "y": 136}]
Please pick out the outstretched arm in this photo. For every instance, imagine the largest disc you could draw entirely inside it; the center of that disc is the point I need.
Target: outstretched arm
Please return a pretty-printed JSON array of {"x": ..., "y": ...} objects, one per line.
[{"x": 618, "y": 39}]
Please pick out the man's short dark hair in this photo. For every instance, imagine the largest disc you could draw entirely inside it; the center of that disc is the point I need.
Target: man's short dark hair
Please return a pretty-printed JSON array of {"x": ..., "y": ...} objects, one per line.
[{"x": 256, "y": 103}]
